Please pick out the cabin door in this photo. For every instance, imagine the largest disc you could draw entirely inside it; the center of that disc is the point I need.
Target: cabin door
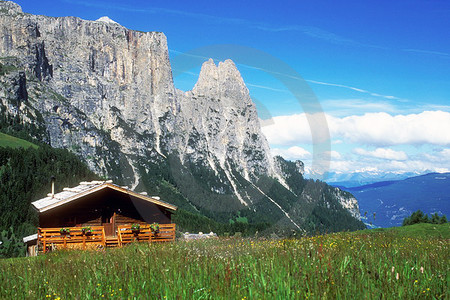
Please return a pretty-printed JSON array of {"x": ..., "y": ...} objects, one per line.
[{"x": 108, "y": 220}]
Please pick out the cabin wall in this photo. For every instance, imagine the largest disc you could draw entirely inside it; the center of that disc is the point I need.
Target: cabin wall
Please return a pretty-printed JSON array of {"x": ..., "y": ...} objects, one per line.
[
  {"x": 124, "y": 220},
  {"x": 99, "y": 208},
  {"x": 93, "y": 222}
]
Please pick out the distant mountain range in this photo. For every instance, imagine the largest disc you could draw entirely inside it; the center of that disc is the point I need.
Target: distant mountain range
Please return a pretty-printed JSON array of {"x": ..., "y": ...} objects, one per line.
[
  {"x": 393, "y": 200},
  {"x": 356, "y": 179}
]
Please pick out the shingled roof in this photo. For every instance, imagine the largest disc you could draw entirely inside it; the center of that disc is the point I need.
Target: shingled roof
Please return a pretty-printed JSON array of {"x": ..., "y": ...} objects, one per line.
[{"x": 86, "y": 188}]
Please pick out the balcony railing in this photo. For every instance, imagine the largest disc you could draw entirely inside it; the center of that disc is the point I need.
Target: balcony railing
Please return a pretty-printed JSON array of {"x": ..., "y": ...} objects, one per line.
[
  {"x": 76, "y": 238},
  {"x": 126, "y": 235},
  {"x": 51, "y": 238}
]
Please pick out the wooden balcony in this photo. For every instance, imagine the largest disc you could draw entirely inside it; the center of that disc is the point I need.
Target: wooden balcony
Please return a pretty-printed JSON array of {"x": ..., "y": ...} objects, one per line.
[
  {"x": 52, "y": 238},
  {"x": 126, "y": 235}
]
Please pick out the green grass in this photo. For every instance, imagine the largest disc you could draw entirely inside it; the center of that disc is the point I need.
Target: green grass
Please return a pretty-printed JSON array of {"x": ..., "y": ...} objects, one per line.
[
  {"x": 421, "y": 230},
  {"x": 13, "y": 142},
  {"x": 388, "y": 264}
]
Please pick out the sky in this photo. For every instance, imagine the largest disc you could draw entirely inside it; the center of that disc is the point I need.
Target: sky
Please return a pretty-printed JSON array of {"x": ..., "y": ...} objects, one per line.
[{"x": 377, "y": 71}]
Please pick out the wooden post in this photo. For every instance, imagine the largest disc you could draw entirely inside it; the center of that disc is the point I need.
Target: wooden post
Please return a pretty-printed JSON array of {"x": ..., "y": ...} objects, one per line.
[
  {"x": 38, "y": 240},
  {"x": 113, "y": 221},
  {"x": 45, "y": 241},
  {"x": 103, "y": 236},
  {"x": 65, "y": 244},
  {"x": 84, "y": 241}
]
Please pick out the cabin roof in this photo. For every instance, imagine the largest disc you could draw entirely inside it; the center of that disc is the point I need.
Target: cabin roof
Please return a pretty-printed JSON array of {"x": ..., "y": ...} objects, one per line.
[{"x": 86, "y": 188}]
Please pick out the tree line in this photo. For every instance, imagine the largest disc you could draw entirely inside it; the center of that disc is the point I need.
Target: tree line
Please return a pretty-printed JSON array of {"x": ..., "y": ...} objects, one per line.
[
  {"x": 419, "y": 217},
  {"x": 25, "y": 177}
]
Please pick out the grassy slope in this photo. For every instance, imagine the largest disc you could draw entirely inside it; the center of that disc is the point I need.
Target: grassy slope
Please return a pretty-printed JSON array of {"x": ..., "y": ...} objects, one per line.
[
  {"x": 13, "y": 142},
  {"x": 401, "y": 263},
  {"x": 417, "y": 230}
]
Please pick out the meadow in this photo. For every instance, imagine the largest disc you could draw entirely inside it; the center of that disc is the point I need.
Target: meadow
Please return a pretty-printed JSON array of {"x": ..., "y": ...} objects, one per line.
[
  {"x": 13, "y": 142},
  {"x": 411, "y": 263}
]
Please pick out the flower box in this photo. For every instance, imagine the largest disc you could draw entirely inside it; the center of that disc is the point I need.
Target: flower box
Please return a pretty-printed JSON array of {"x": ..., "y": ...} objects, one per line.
[{"x": 86, "y": 230}]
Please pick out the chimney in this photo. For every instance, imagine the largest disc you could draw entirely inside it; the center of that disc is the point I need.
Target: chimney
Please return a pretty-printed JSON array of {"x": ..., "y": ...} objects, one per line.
[{"x": 53, "y": 186}]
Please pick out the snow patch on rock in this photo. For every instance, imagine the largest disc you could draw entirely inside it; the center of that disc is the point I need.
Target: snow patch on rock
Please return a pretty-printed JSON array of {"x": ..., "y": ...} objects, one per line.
[{"x": 106, "y": 19}]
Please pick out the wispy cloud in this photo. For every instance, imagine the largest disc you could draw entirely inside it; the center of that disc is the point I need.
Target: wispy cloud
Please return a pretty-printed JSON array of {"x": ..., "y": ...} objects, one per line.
[
  {"x": 382, "y": 153},
  {"x": 346, "y": 107},
  {"x": 267, "y": 88},
  {"x": 108, "y": 5},
  {"x": 317, "y": 33},
  {"x": 353, "y": 89},
  {"x": 427, "y": 52}
]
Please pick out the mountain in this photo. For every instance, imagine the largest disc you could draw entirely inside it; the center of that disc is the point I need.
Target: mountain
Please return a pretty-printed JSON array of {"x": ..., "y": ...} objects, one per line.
[
  {"x": 360, "y": 178},
  {"x": 392, "y": 201},
  {"x": 106, "y": 93}
]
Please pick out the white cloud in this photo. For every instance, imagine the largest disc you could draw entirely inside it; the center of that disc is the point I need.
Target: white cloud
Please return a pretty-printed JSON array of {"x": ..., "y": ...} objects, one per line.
[
  {"x": 377, "y": 129},
  {"x": 287, "y": 130},
  {"x": 382, "y": 153},
  {"x": 292, "y": 153},
  {"x": 428, "y": 127},
  {"x": 363, "y": 161},
  {"x": 438, "y": 156},
  {"x": 375, "y": 166},
  {"x": 335, "y": 155}
]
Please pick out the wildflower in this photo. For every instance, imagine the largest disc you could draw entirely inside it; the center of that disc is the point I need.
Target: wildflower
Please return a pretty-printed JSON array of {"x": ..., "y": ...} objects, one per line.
[
  {"x": 393, "y": 269},
  {"x": 421, "y": 270},
  {"x": 397, "y": 276}
]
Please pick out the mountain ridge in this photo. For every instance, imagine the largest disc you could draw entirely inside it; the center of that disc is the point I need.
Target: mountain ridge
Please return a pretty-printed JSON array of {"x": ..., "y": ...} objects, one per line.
[{"x": 392, "y": 201}]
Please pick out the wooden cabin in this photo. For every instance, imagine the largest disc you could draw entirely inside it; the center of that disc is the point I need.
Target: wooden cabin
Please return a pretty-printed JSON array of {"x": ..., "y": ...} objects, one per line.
[{"x": 106, "y": 211}]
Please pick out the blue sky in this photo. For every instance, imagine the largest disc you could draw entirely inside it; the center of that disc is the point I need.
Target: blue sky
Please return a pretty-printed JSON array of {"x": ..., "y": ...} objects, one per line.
[{"x": 380, "y": 69}]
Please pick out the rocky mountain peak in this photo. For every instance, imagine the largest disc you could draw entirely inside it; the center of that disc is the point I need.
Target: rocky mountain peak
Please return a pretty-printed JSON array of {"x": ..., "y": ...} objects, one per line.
[
  {"x": 9, "y": 7},
  {"x": 220, "y": 81}
]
